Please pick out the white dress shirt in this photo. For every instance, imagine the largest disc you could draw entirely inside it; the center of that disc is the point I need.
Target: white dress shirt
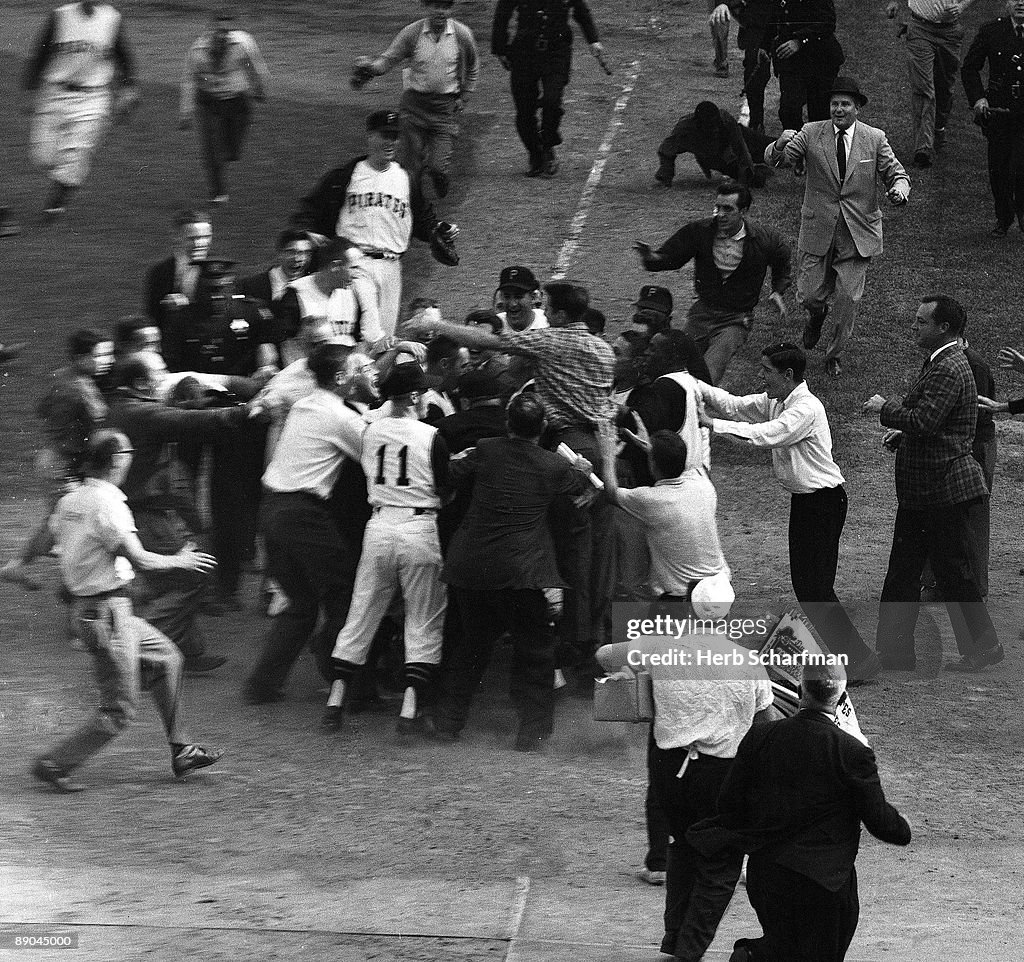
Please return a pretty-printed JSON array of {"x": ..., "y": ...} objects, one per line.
[
  {"x": 321, "y": 431},
  {"x": 796, "y": 430}
]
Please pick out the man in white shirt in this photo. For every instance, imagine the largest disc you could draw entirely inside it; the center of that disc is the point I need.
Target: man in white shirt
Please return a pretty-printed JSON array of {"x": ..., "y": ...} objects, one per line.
[
  {"x": 791, "y": 421},
  {"x": 441, "y": 69},
  {"x": 96, "y": 534},
  {"x": 310, "y": 553},
  {"x": 224, "y": 72}
]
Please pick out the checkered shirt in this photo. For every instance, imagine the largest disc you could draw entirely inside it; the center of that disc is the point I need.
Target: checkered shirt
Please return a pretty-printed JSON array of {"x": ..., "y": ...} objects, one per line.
[{"x": 574, "y": 373}]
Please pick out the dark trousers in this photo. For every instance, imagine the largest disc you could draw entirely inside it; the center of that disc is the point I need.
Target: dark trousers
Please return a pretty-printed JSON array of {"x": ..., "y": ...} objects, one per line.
[
  {"x": 235, "y": 491},
  {"x": 944, "y": 535},
  {"x": 170, "y": 600},
  {"x": 585, "y": 550},
  {"x": 751, "y": 176},
  {"x": 816, "y": 523},
  {"x": 223, "y": 125},
  {"x": 807, "y": 84},
  {"x": 657, "y": 823},
  {"x": 1005, "y": 135},
  {"x": 698, "y": 887},
  {"x": 755, "y": 81},
  {"x": 538, "y": 80},
  {"x": 315, "y": 565},
  {"x": 486, "y": 616},
  {"x": 802, "y": 921}
]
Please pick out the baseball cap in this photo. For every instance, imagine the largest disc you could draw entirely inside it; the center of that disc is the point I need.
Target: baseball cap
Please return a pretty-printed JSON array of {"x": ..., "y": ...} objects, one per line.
[
  {"x": 385, "y": 121},
  {"x": 654, "y": 298},
  {"x": 518, "y": 278},
  {"x": 712, "y": 597},
  {"x": 403, "y": 379},
  {"x": 216, "y": 268}
]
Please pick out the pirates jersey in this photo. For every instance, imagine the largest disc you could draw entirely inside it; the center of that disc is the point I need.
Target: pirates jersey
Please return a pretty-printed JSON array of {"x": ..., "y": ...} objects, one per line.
[
  {"x": 377, "y": 214},
  {"x": 397, "y": 460},
  {"x": 81, "y": 50}
]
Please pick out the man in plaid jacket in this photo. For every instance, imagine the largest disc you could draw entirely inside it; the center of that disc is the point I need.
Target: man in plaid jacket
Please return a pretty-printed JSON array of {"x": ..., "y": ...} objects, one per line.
[{"x": 938, "y": 485}]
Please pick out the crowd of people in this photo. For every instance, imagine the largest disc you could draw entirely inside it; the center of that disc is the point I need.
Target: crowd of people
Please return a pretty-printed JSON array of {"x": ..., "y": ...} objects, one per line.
[{"x": 418, "y": 488}]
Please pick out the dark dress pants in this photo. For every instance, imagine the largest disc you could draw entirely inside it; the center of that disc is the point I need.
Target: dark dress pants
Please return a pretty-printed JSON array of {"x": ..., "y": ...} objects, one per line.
[
  {"x": 315, "y": 564},
  {"x": 802, "y": 920},
  {"x": 755, "y": 81},
  {"x": 538, "y": 80},
  {"x": 235, "y": 491},
  {"x": 698, "y": 887},
  {"x": 585, "y": 550},
  {"x": 223, "y": 125},
  {"x": 816, "y": 523},
  {"x": 945, "y": 535},
  {"x": 1005, "y": 135},
  {"x": 657, "y": 823},
  {"x": 486, "y": 616},
  {"x": 170, "y": 600},
  {"x": 808, "y": 83}
]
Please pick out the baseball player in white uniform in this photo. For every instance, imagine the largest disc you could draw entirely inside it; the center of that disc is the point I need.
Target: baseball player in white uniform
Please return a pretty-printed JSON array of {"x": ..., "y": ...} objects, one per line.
[
  {"x": 80, "y": 54},
  {"x": 371, "y": 201},
  {"x": 406, "y": 464}
]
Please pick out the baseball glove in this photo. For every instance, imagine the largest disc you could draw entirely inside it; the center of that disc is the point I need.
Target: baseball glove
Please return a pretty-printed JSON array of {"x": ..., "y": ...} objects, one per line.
[
  {"x": 442, "y": 244},
  {"x": 362, "y": 73}
]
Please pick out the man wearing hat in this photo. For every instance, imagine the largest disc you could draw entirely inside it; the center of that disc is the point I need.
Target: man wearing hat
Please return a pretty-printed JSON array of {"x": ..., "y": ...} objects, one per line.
[
  {"x": 731, "y": 256},
  {"x": 373, "y": 202},
  {"x": 441, "y": 68},
  {"x": 653, "y": 309},
  {"x": 514, "y": 300},
  {"x": 841, "y": 223},
  {"x": 406, "y": 467}
]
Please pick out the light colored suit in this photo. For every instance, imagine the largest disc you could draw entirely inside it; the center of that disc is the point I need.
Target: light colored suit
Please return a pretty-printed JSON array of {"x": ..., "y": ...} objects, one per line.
[{"x": 840, "y": 223}]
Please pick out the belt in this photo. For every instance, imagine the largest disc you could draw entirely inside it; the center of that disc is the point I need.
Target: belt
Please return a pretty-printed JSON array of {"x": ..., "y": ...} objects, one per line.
[
  {"x": 377, "y": 254},
  {"x": 120, "y": 592},
  {"x": 398, "y": 507},
  {"x": 930, "y": 23},
  {"x": 81, "y": 89}
]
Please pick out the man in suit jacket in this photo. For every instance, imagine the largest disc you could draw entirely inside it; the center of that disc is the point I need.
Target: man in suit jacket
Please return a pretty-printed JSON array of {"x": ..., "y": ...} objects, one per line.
[
  {"x": 795, "y": 798},
  {"x": 840, "y": 221},
  {"x": 940, "y": 486},
  {"x": 173, "y": 281}
]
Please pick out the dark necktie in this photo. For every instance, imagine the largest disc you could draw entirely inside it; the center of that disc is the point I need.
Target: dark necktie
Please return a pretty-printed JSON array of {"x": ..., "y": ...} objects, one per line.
[
  {"x": 841, "y": 154},
  {"x": 1020, "y": 32}
]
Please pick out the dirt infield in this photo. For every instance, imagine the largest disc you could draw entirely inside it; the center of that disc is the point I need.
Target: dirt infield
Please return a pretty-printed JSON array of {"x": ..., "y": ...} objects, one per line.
[{"x": 359, "y": 846}]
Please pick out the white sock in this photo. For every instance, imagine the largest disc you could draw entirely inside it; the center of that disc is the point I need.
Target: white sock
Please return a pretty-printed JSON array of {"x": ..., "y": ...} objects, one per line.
[
  {"x": 560, "y": 681},
  {"x": 409, "y": 703},
  {"x": 337, "y": 695}
]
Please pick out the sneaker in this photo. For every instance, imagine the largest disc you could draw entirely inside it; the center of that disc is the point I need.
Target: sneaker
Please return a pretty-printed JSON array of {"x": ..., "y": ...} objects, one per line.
[
  {"x": 192, "y": 757},
  {"x": 651, "y": 877},
  {"x": 199, "y": 664},
  {"x": 333, "y": 718},
  {"x": 48, "y": 771}
]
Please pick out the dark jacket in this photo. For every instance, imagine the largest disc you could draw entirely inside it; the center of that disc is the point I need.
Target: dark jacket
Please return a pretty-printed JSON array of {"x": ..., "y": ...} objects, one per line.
[
  {"x": 763, "y": 248},
  {"x": 541, "y": 26},
  {"x": 934, "y": 466},
  {"x": 197, "y": 339},
  {"x": 797, "y": 794},
  {"x": 155, "y": 479},
  {"x": 319, "y": 210},
  {"x": 505, "y": 542},
  {"x": 997, "y": 43},
  {"x": 161, "y": 280},
  {"x": 813, "y": 23}
]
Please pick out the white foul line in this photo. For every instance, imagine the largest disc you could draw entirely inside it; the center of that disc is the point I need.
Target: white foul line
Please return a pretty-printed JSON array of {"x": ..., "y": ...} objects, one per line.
[
  {"x": 516, "y": 913},
  {"x": 572, "y": 240}
]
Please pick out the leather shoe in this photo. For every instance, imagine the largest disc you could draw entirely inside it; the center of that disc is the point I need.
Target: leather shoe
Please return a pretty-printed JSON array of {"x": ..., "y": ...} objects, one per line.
[
  {"x": 834, "y": 367},
  {"x": 333, "y": 718},
  {"x": 443, "y": 735},
  {"x": 999, "y": 230},
  {"x": 922, "y": 159},
  {"x": 48, "y": 771},
  {"x": 200, "y": 664},
  {"x": 897, "y": 662},
  {"x": 864, "y": 672},
  {"x": 979, "y": 661},
  {"x": 550, "y": 162},
  {"x": 812, "y": 329},
  {"x": 192, "y": 757},
  {"x": 409, "y": 726},
  {"x": 530, "y": 743}
]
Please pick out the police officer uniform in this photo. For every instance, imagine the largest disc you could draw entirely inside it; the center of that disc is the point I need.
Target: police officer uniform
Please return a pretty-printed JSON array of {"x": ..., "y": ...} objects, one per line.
[
  {"x": 806, "y": 76},
  {"x": 539, "y": 58},
  {"x": 1001, "y": 43},
  {"x": 221, "y": 333}
]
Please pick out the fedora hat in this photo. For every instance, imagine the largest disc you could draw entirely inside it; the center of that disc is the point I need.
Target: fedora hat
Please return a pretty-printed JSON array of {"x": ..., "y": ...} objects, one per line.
[{"x": 847, "y": 85}]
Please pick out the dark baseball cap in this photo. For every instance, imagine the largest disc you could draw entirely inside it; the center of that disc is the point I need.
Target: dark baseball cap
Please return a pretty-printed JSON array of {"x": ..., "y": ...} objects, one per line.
[
  {"x": 216, "y": 268},
  {"x": 403, "y": 379},
  {"x": 654, "y": 298},
  {"x": 386, "y": 121},
  {"x": 518, "y": 278}
]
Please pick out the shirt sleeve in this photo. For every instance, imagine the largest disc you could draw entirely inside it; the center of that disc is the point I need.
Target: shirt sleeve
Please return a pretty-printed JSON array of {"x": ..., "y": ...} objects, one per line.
[
  {"x": 470, "y": 59},
  {"x": 634, "y": 502},
  {"x": 763, "y": 695},
  {"x": 938, "y": 397},
  {"x": 348, "y": 434},
  {"x": 113, "y": 523},
  {"x": 259, "y": 74},
  {"x": 439, "y": 461},
  {"x": 369, "y": 314},
  {"x": 582, "y": 15},
  {"x": 751, "y": 407},
  {"x": 188, "y": 84},
  {"x": 402, "y": 47},
  {"x": 34, "y": 70},
  {"x": 792, "y": 425},
  {"x": 536, "y": 343}
]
